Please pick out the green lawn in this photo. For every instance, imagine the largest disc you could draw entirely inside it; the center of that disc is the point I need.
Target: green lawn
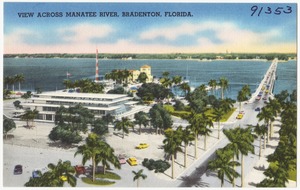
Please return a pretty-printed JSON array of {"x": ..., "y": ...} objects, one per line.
[
  {"x": 103, "y": 180},
  {"x": 209, "y": 112}
]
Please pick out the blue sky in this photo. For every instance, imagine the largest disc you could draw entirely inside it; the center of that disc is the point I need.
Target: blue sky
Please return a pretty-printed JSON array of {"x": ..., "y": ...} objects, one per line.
[{"x": 214, "y": 27}]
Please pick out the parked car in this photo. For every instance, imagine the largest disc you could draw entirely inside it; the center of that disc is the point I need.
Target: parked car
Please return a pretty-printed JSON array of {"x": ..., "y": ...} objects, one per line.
[
  {"x": 18, "y": 169},
  {"x": 122, "y": 159},
  {"x": 132, "y": 161},
  {"x": 142, "y": 146},
  {"x": 36, "y": 173},
  {"x": 80, "y": 169},
  {"x": 257, "y": 109},
  {"x": 239, "y": 116}
]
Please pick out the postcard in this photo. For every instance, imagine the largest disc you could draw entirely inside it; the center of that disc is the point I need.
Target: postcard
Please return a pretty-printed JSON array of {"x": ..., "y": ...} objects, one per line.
[{"x": 149, "y": 94}]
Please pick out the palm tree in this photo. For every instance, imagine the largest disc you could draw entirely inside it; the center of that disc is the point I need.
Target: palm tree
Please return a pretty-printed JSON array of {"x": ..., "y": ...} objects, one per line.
[
  {"x": 213, "y": 84},
  {"x": 171, "y": 145},
  {"x": 243, "y": 95},
  {"x": 7, "y": 81},
  {"x": 186, "y": 137},
  {"x": 20, "y": 79},
  {"x": 185, "y": 87},
  {"x": 177, "y": 79},
  {"x": 141, "y": 118},
  {"x": 226, "y": 104},
  {"x": 29, "y": 115},
  {"x": 240, "y": 142},
  {"x": 266, "y": 116},
  {"x": 107, "y": 156},
  {"x": 53, "y": 177},
  {"x": 195, "y": 126},
  {"x": 223, "y": 83},
  {"x": 123, "y": 125},
  {"x": 259, "y": 130},
  {"x": 61, "y": 169},
  {"x": 224, "y": 165},
  {"x": 218, "y": 114},
  {"x": 93, "y": 146},
  {"x": 8, "y": 124},
  {"x": 108, "y": 119},
  {"x": 205, "y": 124},
  {"x": 275, "y": 107},
  {"x": 138, "y": 175}
]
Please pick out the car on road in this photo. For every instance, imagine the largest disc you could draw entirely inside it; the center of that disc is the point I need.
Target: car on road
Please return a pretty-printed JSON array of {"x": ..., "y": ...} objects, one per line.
[
  {"x": 18, "y": 169},
  {"x": 239, "y": 116},
  {"x": 122, "y": 158},
  {"x": 132, "y": 161},
  {"x": 80, "y": 169},
  {"x": 257, "y": 109},
  {"x": 36, "y": 173},
  {"x": 142, "y": 146}
]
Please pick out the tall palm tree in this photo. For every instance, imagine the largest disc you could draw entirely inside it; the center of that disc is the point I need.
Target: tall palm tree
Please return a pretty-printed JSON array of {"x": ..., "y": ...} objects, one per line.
[
  {"x": 213, "y": 84},
  {"x": 29, "y": 115},
  {"x": 20, "y": 79},
  {"x": 107, "y": 156},
  {"x": 177, "y": 80},
  {"x": 275, "y": 107},
  {"x": 185, "y": 87},
  {"x": 141, "y": 118},
  {"x": 224, "y": 165},
  {"x": 226, "y": 104},
  {"x": 218, "y": 114},
  {"x": 205, "y": 124},
  {"x": 186, "y": 137},
  {"x": 171, "y": 145},
  {"x": 195, "y": 126},
  {"x": 223, "y": 83},
  {"x": 240, "y": 142},
  {"x": 266, "y": 115},
  {"x": 259, "y": 130},
  {"x": 123, "y": 125},
  {"x": 7, "y": 81},
  {"x": 93, "y": 146},
  {"x": 138, "y": 175}
]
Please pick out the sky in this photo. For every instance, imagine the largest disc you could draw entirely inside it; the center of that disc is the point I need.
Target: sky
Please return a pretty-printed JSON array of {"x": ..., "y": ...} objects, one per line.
[{"x": 210, "y": 28}]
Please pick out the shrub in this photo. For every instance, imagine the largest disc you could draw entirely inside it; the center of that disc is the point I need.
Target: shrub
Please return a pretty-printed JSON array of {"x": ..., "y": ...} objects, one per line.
[{"x": 159, "y": 166}]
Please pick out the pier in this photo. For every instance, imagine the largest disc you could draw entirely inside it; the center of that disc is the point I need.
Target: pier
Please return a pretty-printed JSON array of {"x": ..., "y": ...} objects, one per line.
[{"x": 266, "y": 86}]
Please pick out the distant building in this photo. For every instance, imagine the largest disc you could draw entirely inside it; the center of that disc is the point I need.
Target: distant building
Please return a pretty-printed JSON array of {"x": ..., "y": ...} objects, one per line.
[
  {"x": 135, "y": 74},
  {"x": 118, "y": 105}
]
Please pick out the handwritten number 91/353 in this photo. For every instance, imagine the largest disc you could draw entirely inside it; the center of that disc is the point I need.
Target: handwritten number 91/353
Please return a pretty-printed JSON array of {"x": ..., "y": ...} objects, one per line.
[{"x": 269, "y": 10}]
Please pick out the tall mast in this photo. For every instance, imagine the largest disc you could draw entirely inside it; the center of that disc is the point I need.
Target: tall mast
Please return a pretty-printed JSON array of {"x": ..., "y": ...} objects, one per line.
[{"x": 97, "y": 72}]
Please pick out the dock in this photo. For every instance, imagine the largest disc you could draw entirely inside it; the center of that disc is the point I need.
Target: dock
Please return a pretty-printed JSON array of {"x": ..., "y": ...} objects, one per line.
[{"x": 266, "y": 86}]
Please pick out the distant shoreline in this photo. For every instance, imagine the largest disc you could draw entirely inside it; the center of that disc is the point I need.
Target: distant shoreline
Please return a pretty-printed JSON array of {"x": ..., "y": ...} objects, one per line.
[{"x": 170, "y": 56}]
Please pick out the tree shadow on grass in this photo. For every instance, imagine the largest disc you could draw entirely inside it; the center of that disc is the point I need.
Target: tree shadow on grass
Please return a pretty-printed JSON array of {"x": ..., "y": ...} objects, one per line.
[
  {"x": 8, "y": 137},
  {"x": 260, "y": 168},
  {"x": 61, "y": 145}
]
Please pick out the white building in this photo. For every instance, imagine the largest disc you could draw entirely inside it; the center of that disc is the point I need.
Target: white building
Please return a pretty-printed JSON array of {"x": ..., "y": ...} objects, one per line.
[{"x": 119, "y": 105}]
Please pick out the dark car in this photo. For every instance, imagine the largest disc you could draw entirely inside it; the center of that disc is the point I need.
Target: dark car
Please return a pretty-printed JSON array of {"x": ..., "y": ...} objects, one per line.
[
  {"x": 18, "y": 169},
  {"x": 36, "y": 173},
  {"x": 257, "y": 109}
]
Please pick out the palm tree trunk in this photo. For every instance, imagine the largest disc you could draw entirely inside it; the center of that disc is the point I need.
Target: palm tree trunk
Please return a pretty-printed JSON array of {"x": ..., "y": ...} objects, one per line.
[
  {"x": 271, "y": 129},
  {"x": 234, "y": 168},
  {"x": 140, "y": 129},
  {"x": 265, "y": 140},
  {"x": 205, "y": 138},
  {"x": 94, "y": 167},
  {"x": 196, "y": 144},
  {"x": 222, "y": 93},
  {"x": 137, "y": 182},
  {"x": 242, "y": 171},
  {"x": 222, "y": 183},
  {"x": 259, "y": 146},
  {"x": 268, "y": 135},
  {"x": 104, "y": 169},
  {"x": 172, "y": 166},
  {"x": 123, "y": 133},
  {"x": 219, "y": 130},
  {"x": 185, "y": 154}
]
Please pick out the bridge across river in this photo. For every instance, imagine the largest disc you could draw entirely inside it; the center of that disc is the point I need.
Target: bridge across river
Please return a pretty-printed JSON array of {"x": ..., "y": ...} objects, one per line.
[{"x": 266, "y": 86}]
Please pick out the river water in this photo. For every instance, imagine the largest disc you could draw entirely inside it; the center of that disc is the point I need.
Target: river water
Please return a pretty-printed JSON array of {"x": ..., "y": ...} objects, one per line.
[{"x": 48, "y": 74}]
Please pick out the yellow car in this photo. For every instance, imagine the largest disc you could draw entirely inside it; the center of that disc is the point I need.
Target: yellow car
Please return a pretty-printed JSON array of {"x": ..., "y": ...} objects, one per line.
[
  {"x": 142, "y": 146},
  {"x": 64, "y": 178},
  {"x": 239, "y": 116},
  {"x": 132, "y": 161}
]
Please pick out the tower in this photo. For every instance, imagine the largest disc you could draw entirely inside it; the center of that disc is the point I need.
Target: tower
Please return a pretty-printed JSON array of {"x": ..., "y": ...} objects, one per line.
[{"x": 97, "y": 71}]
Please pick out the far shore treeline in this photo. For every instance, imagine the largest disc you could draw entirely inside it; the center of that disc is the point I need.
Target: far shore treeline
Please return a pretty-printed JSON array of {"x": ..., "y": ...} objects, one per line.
[{"x": 202, "y": 56}]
